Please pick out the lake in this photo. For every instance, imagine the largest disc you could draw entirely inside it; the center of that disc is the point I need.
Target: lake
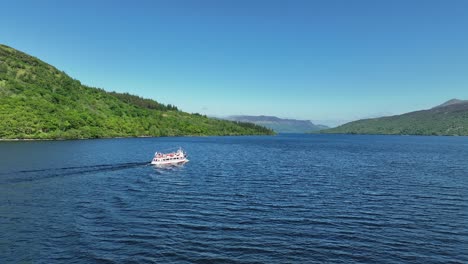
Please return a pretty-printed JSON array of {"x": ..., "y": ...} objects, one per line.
[{"x": 270, "y": 199}]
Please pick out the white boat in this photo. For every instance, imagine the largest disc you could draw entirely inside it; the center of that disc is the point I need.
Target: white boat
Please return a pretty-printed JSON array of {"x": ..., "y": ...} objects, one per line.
[{"x": 173, "y": 158}]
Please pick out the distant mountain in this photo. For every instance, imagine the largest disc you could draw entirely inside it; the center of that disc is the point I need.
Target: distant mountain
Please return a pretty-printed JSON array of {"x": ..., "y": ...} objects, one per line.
[
  {"x": 451, "y": 102},
  {"x": 278, "y": 124},
  {"x": 449, "y": 118},
  {"x": 38, "y": 101}
]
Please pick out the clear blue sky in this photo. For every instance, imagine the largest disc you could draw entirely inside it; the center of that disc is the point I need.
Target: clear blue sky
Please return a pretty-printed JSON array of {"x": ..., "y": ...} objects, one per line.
[{"x": 318, "y": 60}]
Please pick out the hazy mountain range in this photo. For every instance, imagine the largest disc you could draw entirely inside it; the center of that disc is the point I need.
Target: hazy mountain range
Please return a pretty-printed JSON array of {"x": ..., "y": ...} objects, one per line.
[{"x": 279, "y": 125}]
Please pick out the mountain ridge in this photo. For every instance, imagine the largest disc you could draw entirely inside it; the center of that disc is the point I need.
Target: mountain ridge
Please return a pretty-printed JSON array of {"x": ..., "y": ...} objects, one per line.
[
  {"x": 447, "y": 119},
  {"x": 279, "y": 125},
  {"x": 451, "y": 102}
]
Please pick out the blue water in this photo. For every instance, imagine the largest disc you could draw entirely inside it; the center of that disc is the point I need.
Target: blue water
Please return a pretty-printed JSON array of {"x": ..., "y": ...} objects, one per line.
[{"x": 280, "y": 199}]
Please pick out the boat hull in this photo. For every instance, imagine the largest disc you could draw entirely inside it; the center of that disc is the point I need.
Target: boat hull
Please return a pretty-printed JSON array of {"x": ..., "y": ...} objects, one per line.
[{"x": 169, "y": 163}]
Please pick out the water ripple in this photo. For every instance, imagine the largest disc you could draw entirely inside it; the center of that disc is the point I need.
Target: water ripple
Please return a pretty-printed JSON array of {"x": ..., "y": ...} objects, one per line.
[{"x": 283, "y": 199}]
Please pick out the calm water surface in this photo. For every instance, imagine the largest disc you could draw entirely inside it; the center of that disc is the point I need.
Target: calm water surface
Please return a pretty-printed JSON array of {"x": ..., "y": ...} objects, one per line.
[{"x": 281, "y": 199}]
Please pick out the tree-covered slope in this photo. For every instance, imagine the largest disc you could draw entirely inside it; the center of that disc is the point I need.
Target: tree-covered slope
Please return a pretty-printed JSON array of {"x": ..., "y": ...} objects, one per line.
[
  {"x": 450, "y": 118},
  {"x": 37, "y": 101}
]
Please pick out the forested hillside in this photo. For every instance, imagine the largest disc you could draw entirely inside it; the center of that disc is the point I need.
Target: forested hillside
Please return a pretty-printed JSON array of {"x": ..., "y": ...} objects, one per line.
[
  {"x": 449, "y": 118},
  {"x": 38, "y": 101}
]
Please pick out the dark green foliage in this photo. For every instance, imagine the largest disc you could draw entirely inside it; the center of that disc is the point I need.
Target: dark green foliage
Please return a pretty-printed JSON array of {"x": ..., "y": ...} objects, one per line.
[
  {"x": 451, "y": 120},
  {"x": 37, "y": 101},
  {"x": 3, "y": 68},
  {"x": 143, "y": 102}
]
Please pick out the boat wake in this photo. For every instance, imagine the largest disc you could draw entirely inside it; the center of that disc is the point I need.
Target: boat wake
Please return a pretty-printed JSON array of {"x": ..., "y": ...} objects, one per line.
[{"x": 40, "y": 174}]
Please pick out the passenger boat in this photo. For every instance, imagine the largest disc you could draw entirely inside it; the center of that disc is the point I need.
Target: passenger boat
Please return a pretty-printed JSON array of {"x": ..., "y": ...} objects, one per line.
[{"x": 173, "y": 158}]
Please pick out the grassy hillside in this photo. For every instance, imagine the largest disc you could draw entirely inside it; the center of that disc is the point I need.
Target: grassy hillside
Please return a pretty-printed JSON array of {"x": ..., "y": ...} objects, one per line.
[
  {"x": 450, "y": 118},
  {"x": 38, "y": 101}
]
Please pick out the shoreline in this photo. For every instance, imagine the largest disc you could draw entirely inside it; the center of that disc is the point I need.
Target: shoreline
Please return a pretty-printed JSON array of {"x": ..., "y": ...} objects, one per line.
[
  {"x": 402, "y": 135},
  {"x": 346, "y": 134},
  {"x": 67, "y": 139}
]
